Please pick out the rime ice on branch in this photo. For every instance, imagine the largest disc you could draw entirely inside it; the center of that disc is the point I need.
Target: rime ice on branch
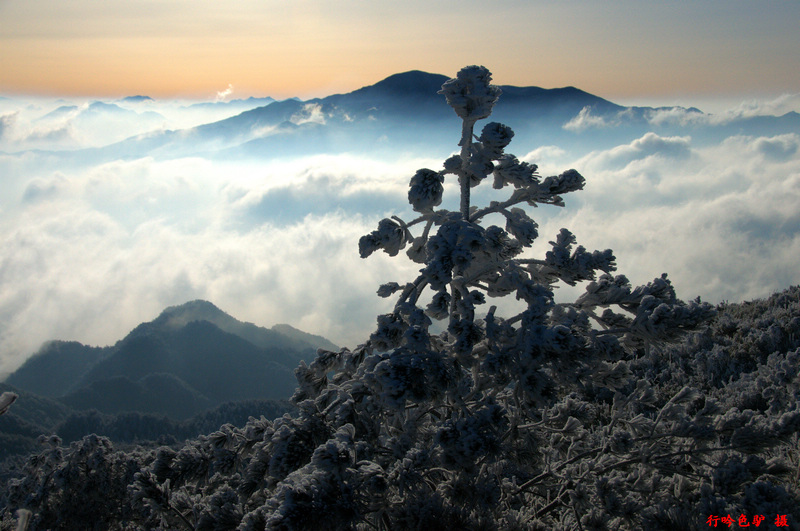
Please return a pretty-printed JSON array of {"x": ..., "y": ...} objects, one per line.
[
  {"x": 465, "y": 262},
  {"x": 541, "y": 420}
]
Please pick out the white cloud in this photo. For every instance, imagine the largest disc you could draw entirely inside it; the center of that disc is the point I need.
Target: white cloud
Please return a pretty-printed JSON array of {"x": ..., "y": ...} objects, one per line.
[
  {"x": 638, "y": 154},
  {"x": 774, "y": 107},
  {"x": 310, "y": 113},
  {"x": 778, "y": 148},
  {"x": 586, "y": 120},
  {"x": 18, "y": 132},
  {"x": 722, "y": 221},
  {"x": 27, "y": 124},
  {"x": 87, "y": 255},
  {"x": 89, "y": 251},
  {"x": 683, "y": 117},
  {"x": 7, "y": 123},
  {"x": 224, "y": 94},
  {"x": 679, "y": 116}
]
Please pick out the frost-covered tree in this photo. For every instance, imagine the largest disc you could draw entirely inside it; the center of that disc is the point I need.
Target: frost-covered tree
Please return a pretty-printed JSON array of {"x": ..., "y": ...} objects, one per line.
[
  {"x": 465, "y": 262},
  {"x": 590, "y": 414}
]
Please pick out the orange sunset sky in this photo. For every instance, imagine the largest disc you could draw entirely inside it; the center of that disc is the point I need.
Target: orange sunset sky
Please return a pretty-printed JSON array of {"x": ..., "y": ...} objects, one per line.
[{"x": 194, "y": 48}]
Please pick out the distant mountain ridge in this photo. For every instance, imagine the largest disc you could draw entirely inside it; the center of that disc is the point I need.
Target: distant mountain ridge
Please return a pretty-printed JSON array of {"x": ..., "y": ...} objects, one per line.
[
  {"x": 404, "y": 109},
  {"x": 405, "y": 113},
  {"x": 233, "y": 104},
  {"x": 190, "y": 358}
]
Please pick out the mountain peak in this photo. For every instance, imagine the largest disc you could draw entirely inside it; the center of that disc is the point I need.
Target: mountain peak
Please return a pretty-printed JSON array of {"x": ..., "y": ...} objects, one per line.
[
  {"x": 411, "y": 82},
  {"x": 281, "y": 335},
  {"x": 137, "y": 99},
  {"x": 196, "y": 310}
]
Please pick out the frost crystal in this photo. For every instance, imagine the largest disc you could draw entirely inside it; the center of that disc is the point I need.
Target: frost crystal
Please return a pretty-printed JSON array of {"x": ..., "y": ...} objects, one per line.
[
  {"x": 470, "y": 94},
  {"x": 426, "y": 190}
]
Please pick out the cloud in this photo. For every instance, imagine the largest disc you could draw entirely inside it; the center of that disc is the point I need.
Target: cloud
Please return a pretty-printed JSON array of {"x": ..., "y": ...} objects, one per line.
[
  {"x": 6, "y": 123},
  {"x": 778, "y": 148},
  {"x": 310, "y": 113},
  {"x": 325, "y": 183},
  {"x": 74, "y": 124},
  {"x": 88, "y": 250},
  {"x": 17, "y": 132},
  {"x": 774, "y": 107},
  {"x": 44, "y": 189},
  {"x": 91, "y": 252},
  {"x": 585, "y": 120},
  {"x": 224, "y": 94},
  {"x": 683, "y": 117},
  {"x": 639, "y": 151},
  {"x": 679, "y": 116},
  {"x": 722, "y": 221}
]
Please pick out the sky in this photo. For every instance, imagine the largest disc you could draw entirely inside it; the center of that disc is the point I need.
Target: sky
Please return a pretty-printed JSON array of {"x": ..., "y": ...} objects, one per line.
[
  {"x": 620, "y": 49},
  {"x": 90, "y": 249}
]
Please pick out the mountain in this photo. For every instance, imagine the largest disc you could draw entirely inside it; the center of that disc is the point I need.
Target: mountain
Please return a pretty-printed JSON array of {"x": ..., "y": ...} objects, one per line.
[
  {"x": 298, "y": 335},
  {"x": 137, "y": 99},
  {"x": 405, "y": 113},
  {"x": 56, "y": 367},
  {"x": 98, "y": 112},
  {"x": 190, "y": 358},
  {"x": 33, "y": 416},
  {"x": 59, "y": 112},
  {"x": 280, "y": 336},
  {"x": 242, "y": 104},
  {"x": 403, "y": 110},
  {"x": 159, "y": 394}
]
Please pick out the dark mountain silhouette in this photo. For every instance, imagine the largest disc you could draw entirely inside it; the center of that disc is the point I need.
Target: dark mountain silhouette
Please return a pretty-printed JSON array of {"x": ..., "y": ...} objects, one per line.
[
  {"x": 298, "y": 335},
  {"x": 214, "y": 363},
  {"x": 136, "y": 99},
  {"x": 280, "y": 336},
  {"x": 56, "y": 367},
  {"x": 402, "y": 110},
  {"x": 190, "y": 358},
  {"x": 33, "y": 416},
  {"x": 138, "y": 427},
  {"x": 33, "y": 408},
  {"x": 406, "y": 111},
  {"x": 159, "y": 394}
]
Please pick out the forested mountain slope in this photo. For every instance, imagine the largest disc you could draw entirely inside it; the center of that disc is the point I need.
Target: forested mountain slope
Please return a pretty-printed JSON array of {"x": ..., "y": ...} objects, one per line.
[
  {"x": 748, "y": 358},
  {"x": 190, "y": 358}
]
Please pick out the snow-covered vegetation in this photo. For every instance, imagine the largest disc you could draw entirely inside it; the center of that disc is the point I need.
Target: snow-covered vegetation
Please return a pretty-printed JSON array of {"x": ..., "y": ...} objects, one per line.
[{"x": 626, "y": 408}]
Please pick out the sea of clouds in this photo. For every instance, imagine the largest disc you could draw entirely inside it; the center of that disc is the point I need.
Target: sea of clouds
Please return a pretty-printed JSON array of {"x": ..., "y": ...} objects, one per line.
[{"x": 90, "y": 250}]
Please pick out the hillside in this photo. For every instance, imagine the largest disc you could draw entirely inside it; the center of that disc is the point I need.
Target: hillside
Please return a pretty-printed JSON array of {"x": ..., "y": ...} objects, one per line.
[
  {"x": 189, "y": 359},
  {"x": 734, "y": 360},
  {"x": 34, "y": 417},
  {"x": 55, "y": 368}
]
